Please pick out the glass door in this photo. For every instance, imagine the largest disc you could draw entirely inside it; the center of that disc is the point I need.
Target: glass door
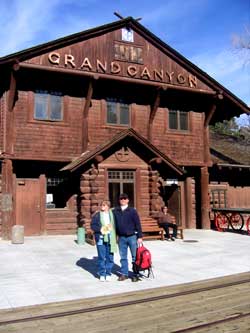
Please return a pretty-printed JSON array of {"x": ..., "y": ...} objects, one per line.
[{"x": 121, "y": 181}]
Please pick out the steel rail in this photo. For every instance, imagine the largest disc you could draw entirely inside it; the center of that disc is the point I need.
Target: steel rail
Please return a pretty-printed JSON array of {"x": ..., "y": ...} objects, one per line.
[
  {"x": 211, "y": 323},
  {"x": 121, "y": 304}
]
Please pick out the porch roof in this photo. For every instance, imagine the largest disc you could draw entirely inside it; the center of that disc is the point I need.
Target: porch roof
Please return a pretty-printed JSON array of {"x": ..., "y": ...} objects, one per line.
[{"x": 137, "y": 143}]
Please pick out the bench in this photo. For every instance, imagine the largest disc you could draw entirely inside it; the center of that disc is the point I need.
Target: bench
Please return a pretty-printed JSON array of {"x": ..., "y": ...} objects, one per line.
[
  {"x": 179, "y": 229},
  {"x": 179, "y": 232},
  {"x": 90, "y": 238},
  {"x": 151, "y": 229}
]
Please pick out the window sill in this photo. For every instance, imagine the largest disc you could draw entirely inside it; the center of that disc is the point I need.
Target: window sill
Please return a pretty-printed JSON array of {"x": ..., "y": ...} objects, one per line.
[
  {"x": 48, "y": 122},
  {"x": 172, "y": 131},
  {"x": 116, "y": 126}
]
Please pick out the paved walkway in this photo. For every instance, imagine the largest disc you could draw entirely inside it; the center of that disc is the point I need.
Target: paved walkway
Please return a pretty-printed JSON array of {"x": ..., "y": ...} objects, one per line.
[{"x": 55, "y": 268}]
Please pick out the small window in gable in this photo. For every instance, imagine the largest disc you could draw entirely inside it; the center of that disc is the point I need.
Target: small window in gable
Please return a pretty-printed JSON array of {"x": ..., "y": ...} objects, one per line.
[
  {"x": 127, "y": 35},
  {"x": 48, "y": 105},
  {"x": 118, "y": 113},
  {"x": 178, "y": 120}
]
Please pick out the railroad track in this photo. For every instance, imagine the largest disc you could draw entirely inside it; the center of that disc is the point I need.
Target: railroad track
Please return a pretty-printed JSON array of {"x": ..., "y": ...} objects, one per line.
[{"x": 217, "y": 305}]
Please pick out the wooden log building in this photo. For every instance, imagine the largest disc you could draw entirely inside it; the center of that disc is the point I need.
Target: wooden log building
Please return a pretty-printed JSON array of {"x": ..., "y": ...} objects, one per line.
[{"x": 108, "y": 110}]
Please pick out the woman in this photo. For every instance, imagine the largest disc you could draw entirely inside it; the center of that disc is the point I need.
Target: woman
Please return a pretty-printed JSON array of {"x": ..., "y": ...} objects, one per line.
[
  {"x": 166, "y": 221},
  {"x": 104, "y": 228}
]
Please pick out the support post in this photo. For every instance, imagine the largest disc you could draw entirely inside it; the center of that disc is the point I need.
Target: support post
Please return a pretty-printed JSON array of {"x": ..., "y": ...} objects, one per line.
[
  {"x": 205, "y": 221},
  {"x": 7, "y": 199}
]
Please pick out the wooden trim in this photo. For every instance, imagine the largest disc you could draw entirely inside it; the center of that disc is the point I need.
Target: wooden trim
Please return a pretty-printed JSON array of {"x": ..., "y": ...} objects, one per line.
[
  {"x": 85, "y": 135},
  {"x": 12, "y": 92},
  {"x": 207, "y": 118},
  {"x": 137, "y": 190},
  {"x": 42, "y": 181},
  {"x": 115, "y": 78},
  {"x": 14, "y": 199},
  {"x": 10, "y": 116},
  {"x": 153, "y": 109},
  {"x": 209, "y": 115}
]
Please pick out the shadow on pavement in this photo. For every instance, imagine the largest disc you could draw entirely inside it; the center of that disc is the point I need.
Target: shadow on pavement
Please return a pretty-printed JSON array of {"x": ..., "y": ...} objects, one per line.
[{"x": 91, "y": 265}]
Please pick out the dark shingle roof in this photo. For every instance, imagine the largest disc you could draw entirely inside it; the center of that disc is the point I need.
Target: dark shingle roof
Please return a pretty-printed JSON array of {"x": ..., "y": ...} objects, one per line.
[{"x": 229, "y": 149}]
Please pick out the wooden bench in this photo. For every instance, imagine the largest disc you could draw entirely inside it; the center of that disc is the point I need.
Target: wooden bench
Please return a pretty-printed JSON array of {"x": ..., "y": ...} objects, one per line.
[
  {"x": 151, "y": 229},
  {"x": 90, "y": 238},
  {"x": 179, "y": 232},
  {"x": 179, "y": 229}
]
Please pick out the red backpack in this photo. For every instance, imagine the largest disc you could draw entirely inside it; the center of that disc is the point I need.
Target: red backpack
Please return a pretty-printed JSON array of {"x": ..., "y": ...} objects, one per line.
[{"x": 143, "y": 260}]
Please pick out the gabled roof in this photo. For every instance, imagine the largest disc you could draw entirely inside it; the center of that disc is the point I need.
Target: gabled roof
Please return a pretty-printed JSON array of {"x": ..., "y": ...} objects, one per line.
[
  {"x": 138, "y": 144},
  {"x": 233, "y": 101}
]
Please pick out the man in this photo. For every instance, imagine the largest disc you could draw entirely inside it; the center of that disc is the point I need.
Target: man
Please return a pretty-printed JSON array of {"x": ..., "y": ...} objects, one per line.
[
  {"x": 166, "y": 222},
  {"x": 129, "y": 232}
]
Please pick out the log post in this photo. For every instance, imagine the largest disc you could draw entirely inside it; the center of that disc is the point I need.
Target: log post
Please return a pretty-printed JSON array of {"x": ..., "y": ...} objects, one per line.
[
  {"x": 7, "y": 199},
  {"x": 205, "y": 221}
]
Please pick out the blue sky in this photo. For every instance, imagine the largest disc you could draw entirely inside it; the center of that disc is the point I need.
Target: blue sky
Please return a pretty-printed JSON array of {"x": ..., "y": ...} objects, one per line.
[{"x": 201, "y": 30}]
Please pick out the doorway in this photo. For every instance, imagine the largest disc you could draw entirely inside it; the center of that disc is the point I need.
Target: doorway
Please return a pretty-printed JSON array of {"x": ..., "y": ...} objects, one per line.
[
  {"x": 172, "y": 197},
  {"x": 121, "y": 181},
  {"x": 28, "y": 210}
]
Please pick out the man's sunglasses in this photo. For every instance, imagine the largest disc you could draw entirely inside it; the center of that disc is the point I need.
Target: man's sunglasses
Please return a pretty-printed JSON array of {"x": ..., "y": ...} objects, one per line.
[{"x": 123, "y": 198}]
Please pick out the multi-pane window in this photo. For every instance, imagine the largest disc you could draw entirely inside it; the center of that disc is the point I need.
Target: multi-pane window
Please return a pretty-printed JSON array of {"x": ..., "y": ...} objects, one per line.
[
  {"x": 121, "y": 181},
  {"x": 117, "y": 112},
  {"x": 56, "y": 196},
  {"x": 48, "y": 105},
  {"x": 178, "y": 120}
]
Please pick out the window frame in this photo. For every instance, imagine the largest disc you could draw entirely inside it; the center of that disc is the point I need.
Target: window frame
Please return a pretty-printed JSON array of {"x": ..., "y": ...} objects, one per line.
[
  {"x": 46, "y": 97},
  {"x": 178, "y": 129},
  {"x": 118, "y": 103},
  {"x": 31, "y": 111}
]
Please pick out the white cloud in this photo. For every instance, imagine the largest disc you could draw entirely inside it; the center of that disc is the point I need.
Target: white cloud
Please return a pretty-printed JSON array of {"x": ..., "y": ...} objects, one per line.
[
  {"x": 29, "y": 23},
  {"x": 229, "y": 69}
]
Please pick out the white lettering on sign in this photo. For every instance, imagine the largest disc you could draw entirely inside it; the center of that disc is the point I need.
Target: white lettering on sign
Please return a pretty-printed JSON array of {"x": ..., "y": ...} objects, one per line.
[{"x": 134, "y": 71}]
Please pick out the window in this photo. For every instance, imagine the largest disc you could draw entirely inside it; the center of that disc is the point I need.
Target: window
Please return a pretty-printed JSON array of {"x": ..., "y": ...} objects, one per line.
[
  {"x": 48, "y": 106},
  {"x": 178, "y": 120},
  {"x": 127, "y": 35},
  {"x": 128, "y": 53},
  {"x": 121, "y": 181},
  {"x": 117, "y": 112},
  {"x": 56, "y": 197}
]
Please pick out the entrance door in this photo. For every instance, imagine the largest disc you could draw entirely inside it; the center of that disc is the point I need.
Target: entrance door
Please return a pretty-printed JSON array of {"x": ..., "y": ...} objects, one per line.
[
  {"x": 172, "y": 198},
  {"x": 121, "y": 181},
  {"x": 28, "y": 206}
]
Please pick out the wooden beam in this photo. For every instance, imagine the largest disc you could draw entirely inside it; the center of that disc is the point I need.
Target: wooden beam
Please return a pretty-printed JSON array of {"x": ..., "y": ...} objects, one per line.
[
  {"x": 153, "y": 109},
  {"x": 156, "y": 160},
  {"x": 209, "y": 115},
  {"x": 9, "y": 116},
  {"x": 12, "y": 92},
  {"x": 78, "y": 72},
  {"x": 85, "y": 135},
  {"x": 118, "y": 15},
  {"x": 219, "y": 97},
  {"x": 99, "y": 158}
]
